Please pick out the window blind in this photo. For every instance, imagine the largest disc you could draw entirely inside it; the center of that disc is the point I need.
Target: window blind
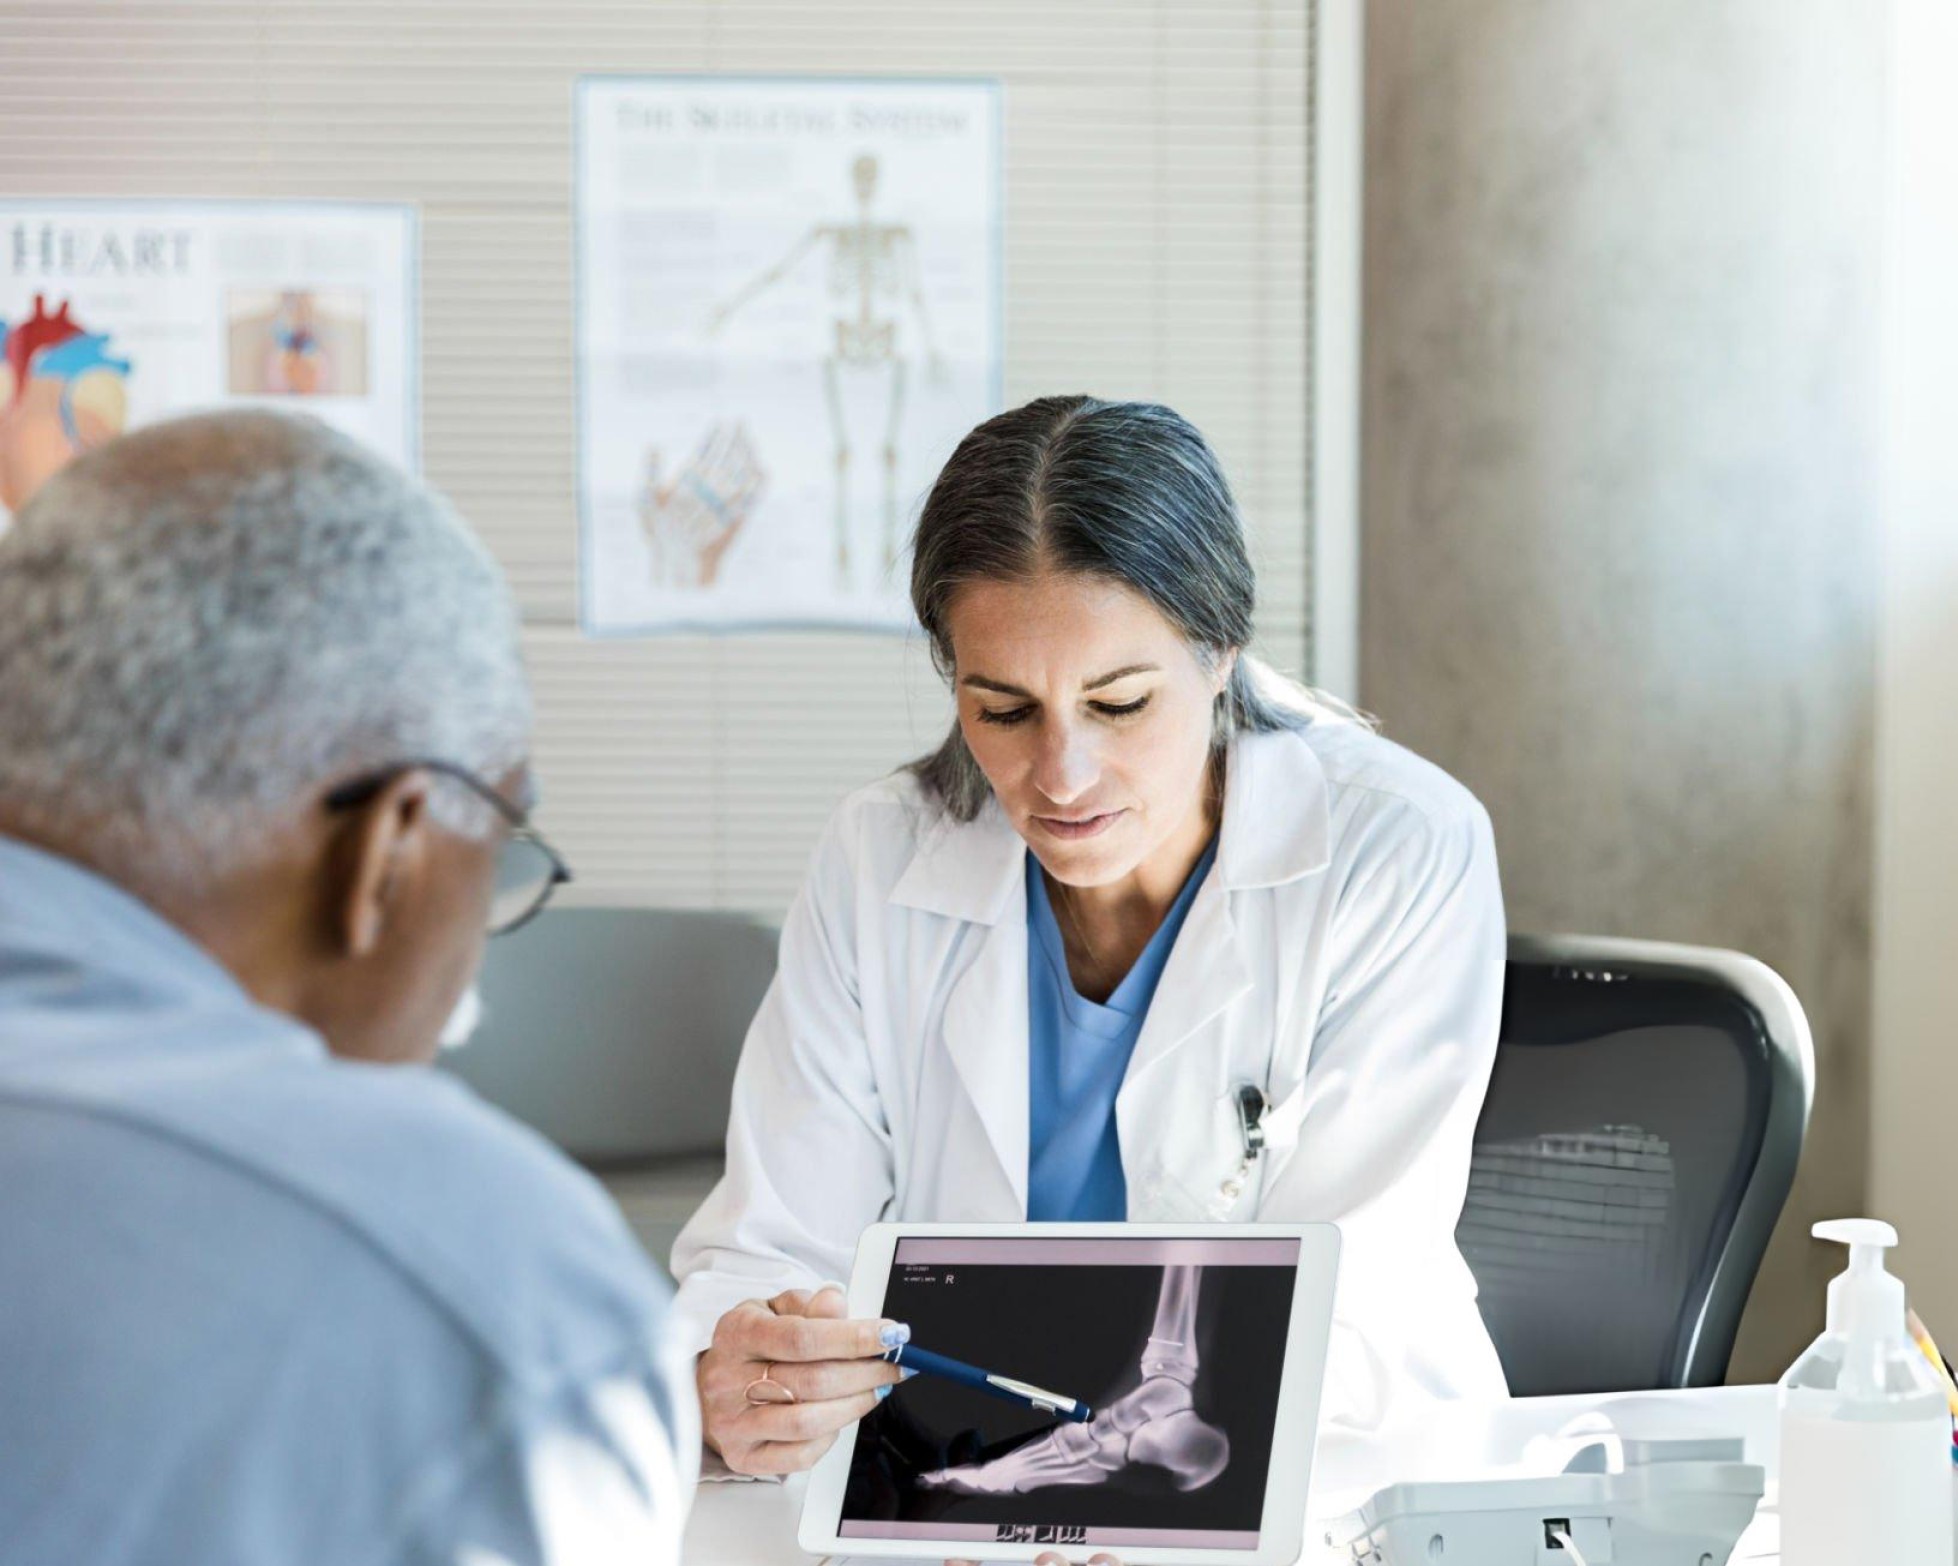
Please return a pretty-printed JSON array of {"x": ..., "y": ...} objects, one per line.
[{"x": 1158, "y": 210}]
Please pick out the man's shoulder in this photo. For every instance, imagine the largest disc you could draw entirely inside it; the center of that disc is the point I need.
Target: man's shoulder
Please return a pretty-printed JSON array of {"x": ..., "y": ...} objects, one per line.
[
  {"x": 523, "y": 1248},
  {"x": 519, "y": 1249},
  {"x": 362, "y": 1262}
]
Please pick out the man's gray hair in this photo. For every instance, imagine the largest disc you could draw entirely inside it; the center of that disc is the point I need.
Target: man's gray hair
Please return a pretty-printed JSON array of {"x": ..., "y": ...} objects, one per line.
[{"x": 207, "y": 624}]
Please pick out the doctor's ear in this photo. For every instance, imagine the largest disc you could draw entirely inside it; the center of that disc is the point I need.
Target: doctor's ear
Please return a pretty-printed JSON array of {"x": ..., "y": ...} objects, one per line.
[
  {"x": 1222, "y": 670},
  {"x": 379, "y": 856}
]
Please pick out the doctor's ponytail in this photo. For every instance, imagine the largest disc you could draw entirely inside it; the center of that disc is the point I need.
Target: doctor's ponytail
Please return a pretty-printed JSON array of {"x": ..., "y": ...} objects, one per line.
[{"x": 1126, "y": 491}]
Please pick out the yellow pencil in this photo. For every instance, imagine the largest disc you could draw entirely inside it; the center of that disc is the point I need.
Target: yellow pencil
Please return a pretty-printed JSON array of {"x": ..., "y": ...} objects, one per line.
[{"x": 1922, "y": 1339}]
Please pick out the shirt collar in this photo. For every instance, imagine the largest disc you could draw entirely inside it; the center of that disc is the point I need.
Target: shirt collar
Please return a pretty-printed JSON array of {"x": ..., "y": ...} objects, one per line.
[
  {"x": 52, "y": 905},
  {"x": 1276, "y": 828}
]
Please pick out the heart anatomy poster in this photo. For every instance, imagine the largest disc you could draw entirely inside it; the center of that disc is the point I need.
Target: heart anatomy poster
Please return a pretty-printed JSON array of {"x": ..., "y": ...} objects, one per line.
[
  {"x": 788, "y": 316},
  {"x": 117, "y": 313}
]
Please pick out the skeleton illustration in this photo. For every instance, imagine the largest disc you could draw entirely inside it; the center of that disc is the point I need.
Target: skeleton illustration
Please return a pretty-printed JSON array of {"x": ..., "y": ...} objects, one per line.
[
  {"x": 871, "y": 264},
  {"x": 1155, "y": 1424}
]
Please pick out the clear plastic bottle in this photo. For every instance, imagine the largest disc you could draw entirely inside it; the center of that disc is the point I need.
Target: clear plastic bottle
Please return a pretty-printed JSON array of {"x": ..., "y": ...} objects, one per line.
[{"x": 1865, "y": 1431}]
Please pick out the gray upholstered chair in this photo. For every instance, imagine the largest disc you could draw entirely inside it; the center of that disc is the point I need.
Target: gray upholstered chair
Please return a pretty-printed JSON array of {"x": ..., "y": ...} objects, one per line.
[
  {"x": 615, "y": 1032},
  {"x": 1639, "y": 1139}
]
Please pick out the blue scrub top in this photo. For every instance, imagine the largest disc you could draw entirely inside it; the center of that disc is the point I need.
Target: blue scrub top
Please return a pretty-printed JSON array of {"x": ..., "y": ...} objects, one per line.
[{"x": 1078, "y": 1054}]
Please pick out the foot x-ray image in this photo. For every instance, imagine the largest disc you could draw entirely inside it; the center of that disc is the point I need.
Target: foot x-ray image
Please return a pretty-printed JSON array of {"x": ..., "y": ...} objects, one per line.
[{"x": 1180, "y": 1362}]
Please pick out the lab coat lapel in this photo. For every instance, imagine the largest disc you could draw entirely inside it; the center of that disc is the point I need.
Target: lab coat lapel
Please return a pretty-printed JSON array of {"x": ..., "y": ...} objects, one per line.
[
  {"x": 975, "y": 872},
  {"x": 986, "y": 1036},
  {"x": 1178, "y": 1126},
  {"x": 1171, "y": 1109},
  {"x": 1205, "y": 974},
  {"x": 1274, "y": 829}
]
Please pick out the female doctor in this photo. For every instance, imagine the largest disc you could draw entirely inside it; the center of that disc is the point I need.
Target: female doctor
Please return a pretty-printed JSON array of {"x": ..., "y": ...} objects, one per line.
[{"x": 1034, "y": 975}]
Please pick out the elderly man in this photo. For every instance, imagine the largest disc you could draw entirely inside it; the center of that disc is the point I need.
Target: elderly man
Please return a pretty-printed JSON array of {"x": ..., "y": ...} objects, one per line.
[{"x": 270, "y": 1289}]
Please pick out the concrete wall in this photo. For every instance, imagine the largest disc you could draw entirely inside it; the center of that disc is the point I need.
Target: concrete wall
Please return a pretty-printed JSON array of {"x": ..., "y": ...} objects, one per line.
[
  {"x": 1619, "y": 486},
  {"x": 1915, "y": 1097}
]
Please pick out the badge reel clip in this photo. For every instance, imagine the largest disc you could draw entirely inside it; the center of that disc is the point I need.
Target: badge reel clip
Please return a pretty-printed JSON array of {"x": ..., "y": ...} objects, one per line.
[{"x": 1252, "y": 1106}]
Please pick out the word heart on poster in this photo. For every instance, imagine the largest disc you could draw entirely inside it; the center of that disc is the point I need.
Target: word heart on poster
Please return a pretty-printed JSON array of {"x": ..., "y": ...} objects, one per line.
[
  {"x": 788, "y": 315},
  {"x": 115, "y": 313}
]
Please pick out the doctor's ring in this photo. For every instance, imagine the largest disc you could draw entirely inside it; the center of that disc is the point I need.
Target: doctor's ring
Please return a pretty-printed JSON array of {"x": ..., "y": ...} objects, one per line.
[{"x": 765, "y": 1389}]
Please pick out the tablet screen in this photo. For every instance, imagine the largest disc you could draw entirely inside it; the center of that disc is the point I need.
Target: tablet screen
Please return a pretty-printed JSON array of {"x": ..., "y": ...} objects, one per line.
[{"x": 1176, "y": 1344}]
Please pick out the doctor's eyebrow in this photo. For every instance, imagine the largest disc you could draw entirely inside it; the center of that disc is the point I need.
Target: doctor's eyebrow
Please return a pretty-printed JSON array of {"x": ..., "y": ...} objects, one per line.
[{"x": 982, "y": 683}]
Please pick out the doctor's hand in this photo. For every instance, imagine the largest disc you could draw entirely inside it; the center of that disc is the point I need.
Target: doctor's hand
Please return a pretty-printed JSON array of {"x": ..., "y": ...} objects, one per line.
[{"x": 784, "y": 1375}]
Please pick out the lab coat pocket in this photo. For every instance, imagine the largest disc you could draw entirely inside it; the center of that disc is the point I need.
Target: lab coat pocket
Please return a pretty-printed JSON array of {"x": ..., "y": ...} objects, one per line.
[{"x": 1200, "y": 1175}]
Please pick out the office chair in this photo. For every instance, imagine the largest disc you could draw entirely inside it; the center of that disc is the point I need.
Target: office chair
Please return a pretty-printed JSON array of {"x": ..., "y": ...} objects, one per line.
[
  {"x": 1640, "y": 1136},
  {"x": 615, "y": 1031}
]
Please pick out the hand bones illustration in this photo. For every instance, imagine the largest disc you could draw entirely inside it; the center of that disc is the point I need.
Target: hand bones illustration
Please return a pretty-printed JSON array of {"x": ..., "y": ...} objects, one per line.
[{"x": 692, "y": 518}]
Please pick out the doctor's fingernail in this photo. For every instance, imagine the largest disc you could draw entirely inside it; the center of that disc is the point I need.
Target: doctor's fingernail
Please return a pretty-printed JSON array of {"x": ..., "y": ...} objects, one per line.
[
  {"x": 884, "y": 1391},
  {"x": 905, "y": 1372},
  {"x": 894, "y": 1333}
]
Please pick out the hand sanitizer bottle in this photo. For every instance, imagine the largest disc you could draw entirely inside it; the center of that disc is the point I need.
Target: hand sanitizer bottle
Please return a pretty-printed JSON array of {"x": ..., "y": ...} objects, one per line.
[{"x": 1865, "y": 1432}]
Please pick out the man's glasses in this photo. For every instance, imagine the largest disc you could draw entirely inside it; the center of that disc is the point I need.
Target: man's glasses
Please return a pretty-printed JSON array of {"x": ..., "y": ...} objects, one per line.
[{"x": 528, "y": 870}]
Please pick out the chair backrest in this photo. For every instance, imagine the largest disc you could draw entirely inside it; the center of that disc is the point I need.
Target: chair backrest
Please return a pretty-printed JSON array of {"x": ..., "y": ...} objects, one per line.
[
  {"x": 615, "y": 1031},
  {"x": 1639, "y": 1139}
]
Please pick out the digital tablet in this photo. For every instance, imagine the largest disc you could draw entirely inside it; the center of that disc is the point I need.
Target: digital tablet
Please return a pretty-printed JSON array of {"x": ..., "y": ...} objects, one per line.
[{"x": 1150, "y": 1389}]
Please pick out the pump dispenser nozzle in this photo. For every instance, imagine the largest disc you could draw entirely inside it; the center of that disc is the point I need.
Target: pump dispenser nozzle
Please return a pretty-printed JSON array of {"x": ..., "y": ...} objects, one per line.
[{"x": 1866, "y": 1301}]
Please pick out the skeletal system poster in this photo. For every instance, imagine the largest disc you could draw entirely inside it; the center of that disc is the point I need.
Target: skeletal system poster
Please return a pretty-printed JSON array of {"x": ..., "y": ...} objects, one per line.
[
  {"x": 117, "y": 313},
  {"x": 789, "y": 314}
]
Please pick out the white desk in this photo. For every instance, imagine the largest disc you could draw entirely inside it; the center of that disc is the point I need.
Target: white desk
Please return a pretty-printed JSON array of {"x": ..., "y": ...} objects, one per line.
[{"x": 754, "y": 1524}]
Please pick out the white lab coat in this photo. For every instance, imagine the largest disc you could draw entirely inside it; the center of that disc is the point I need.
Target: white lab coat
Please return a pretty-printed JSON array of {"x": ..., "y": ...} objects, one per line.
[{"x": 1345, "y": 953}]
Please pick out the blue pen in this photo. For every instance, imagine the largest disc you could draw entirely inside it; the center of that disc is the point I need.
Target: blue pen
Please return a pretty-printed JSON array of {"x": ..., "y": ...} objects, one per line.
[{"x": 911, "y": 1357}]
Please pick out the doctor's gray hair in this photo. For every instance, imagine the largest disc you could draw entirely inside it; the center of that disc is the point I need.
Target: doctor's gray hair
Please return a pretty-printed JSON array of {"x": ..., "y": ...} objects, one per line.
[
  {"x": 207, "y": 624},
  {"x": 1126, "y": 491}
]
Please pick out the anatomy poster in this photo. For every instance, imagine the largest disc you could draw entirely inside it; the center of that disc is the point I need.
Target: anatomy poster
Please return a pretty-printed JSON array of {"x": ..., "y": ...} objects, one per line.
[
  {"x": 117, "y": 313},
  {"x": 789, "y": 314}
]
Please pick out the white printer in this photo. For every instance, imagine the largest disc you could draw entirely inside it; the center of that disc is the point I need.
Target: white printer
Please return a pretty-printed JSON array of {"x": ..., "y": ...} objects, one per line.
[{"x": 1617, "y": 1503}]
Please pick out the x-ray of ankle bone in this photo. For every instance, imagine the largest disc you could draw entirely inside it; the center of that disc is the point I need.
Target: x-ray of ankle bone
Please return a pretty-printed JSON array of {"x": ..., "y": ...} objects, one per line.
[
  {"x": 1180, "y": 1363},
  {"x": 1154, "y": 1423}
]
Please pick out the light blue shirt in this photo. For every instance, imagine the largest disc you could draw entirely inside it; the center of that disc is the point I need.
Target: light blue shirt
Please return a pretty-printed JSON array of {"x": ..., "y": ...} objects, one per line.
[
  {"x": 261, "y": 1305},
  {"x": 1077, "y": 1056}
]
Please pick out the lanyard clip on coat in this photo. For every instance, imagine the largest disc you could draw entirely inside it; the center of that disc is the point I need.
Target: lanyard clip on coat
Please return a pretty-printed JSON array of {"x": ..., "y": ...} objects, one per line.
[{"x": 1251, "y": 1107}]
